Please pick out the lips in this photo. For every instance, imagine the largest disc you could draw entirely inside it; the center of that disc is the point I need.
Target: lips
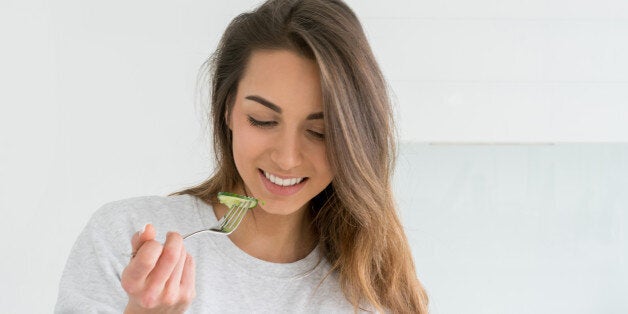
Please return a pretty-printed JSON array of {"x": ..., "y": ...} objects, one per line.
[
  {"x": 282, "y": 181},
  {"x": 282, "y": 190}
]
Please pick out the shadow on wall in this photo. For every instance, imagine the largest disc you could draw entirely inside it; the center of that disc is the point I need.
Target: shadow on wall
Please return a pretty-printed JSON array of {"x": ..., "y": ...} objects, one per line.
[{"x": 499, "y": 228}]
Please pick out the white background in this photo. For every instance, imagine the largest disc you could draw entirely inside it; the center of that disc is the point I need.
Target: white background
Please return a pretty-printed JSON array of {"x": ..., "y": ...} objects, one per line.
[{"x": 98, "y": 103}]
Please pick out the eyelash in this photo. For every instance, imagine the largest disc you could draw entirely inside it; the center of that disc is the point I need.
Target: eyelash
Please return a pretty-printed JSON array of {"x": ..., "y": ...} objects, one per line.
[
  {"x": 269, "y": 124},
  {"x": 261, "y": 124}
]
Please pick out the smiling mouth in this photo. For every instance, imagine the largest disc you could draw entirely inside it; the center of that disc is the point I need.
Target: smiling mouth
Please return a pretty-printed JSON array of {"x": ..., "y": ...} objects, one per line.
[{"x": 287, "y": 182}]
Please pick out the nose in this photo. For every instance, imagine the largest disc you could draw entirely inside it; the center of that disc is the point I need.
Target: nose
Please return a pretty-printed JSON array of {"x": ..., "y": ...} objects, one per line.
[{"x": 286, "y": 153}]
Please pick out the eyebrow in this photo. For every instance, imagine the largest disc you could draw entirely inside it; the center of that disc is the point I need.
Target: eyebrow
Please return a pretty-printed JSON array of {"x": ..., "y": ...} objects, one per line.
[{"x": 273, "y": 107}]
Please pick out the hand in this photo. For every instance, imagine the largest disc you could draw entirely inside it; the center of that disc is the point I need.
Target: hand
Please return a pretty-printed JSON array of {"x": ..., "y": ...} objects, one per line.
[{"x": 159, "y": 278}]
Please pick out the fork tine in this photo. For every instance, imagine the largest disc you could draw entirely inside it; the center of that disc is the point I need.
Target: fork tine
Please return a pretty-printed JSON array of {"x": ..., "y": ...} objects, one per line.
[
  {"x": 230, "y": 220},
  {"x": 235, "y": 220},
  {"x": 230, "y": 213}
]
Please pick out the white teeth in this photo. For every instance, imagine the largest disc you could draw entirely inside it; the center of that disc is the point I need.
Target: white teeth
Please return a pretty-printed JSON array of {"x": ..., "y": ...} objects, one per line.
[{"x": 282, "y": 182}]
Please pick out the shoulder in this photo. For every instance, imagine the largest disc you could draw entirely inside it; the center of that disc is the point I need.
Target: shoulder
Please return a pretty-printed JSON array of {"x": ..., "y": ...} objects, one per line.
[
  {"x": 147, "y": 205},
  {"x": 131, "y": 214}
]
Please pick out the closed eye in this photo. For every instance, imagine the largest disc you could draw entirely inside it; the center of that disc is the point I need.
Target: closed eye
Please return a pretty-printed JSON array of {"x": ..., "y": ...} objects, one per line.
[
  {"x": 261, "y": 124},
  {"x": 270, "y": 124},
  {"x": 317, "y": 135}
]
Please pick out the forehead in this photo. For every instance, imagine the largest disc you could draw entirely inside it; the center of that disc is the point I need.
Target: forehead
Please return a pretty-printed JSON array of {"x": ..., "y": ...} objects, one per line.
[{"x": 283, "y": 77}]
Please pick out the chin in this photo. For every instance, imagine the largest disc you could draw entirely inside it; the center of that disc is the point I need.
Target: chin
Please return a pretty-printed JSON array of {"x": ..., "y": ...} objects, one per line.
[{"x": 277, "y": 208}]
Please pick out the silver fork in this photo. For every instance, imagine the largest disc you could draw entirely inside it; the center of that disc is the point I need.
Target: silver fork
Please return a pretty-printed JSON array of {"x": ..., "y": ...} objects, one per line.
[
  {"x": 226, "y": 225},
  {"x": 229, "y": 222}
]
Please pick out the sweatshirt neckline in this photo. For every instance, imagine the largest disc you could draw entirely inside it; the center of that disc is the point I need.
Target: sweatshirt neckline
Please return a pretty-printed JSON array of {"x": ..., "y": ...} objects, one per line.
[{"x": 251, "y": 264}]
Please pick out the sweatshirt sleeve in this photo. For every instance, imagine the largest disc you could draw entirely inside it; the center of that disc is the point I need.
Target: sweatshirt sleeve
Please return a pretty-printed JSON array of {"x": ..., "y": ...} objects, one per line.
[{"x": 90, "y": 282}]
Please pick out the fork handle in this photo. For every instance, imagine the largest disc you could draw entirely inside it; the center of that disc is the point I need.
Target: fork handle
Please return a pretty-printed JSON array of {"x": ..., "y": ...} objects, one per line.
[{"x": 196, "y": 232}]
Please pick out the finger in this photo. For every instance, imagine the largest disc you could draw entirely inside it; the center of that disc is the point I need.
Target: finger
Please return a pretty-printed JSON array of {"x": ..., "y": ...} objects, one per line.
[
  {"x": 167, "y": 262},
  {"x": 172, "y": 285},
  {"x": 188, "y": 278},
  {"x": 175, "y": 278},
  {"x": 148, "y": 233},
  {"x": 135, "y": 274}
]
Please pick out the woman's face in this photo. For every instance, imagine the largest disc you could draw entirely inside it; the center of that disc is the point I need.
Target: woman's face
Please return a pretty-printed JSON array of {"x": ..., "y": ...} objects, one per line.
[{"x": 278, "y": 131}]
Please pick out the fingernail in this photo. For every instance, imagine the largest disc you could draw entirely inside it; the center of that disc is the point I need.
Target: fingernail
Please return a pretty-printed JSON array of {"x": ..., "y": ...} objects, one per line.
[{"x": 143, "y": 229}]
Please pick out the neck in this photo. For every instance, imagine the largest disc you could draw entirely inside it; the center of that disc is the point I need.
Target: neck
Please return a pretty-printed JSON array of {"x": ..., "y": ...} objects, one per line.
[{"x": 274, "y": 238}]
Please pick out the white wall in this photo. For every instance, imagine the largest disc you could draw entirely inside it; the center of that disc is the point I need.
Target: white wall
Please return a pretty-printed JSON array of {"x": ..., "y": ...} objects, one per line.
[
  {"x": 518, "y": 229},
  {"x": 97, "y": 104},
  {"x": 505, "y": 71}
]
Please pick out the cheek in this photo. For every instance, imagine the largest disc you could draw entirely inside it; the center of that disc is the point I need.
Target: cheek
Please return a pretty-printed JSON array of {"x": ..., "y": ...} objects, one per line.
[
  {"x": 247, "y": 144},
  {"x": 322, "y": 164}
]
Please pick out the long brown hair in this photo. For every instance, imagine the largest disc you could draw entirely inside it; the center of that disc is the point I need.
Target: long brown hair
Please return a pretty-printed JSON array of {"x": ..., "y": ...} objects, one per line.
[{"x": 355, "y": 216}]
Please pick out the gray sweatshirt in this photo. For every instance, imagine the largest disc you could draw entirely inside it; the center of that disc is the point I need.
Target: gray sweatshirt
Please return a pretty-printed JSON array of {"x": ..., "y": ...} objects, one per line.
[{"x": 228, "y": 280}]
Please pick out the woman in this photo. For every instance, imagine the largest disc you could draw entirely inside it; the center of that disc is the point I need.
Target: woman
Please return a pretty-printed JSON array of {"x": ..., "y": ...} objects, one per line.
[{"x": 301, "y": 121}]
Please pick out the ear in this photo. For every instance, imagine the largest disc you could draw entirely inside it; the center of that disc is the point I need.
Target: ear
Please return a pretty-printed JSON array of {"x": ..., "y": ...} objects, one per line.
[
  {"x": 227, "y": 121},
  {"x": 229, "y": 104}
]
